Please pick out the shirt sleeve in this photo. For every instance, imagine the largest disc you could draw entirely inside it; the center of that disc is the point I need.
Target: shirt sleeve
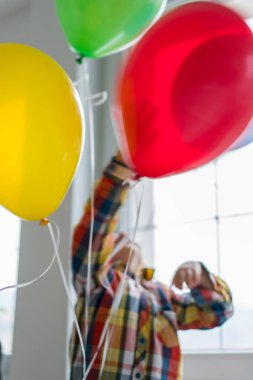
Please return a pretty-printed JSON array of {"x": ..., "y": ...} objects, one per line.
[
  {"x": 201, "y": 308},
  {"x": 109, "y": 194}
]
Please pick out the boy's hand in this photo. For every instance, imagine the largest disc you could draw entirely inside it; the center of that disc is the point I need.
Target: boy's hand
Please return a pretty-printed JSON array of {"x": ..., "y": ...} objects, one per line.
[{"x": 193, "y": 274}]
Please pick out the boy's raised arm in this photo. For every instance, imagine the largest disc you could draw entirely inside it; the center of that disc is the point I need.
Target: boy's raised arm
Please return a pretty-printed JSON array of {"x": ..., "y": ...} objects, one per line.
[{"x": 109, "y": 194}]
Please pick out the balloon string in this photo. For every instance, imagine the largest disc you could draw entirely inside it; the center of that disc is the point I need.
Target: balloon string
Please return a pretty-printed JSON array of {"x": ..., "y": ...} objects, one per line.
[
  {"x": 56, "y": 243},
  {"x": 103, "y": 95},
  {"x": 28, "y": 283},
  {"x": 107, "y": 332},
  {"x": 122, "y": 284},
  {"x": 90, "y": 102},
  {"x": 118, "y": 247},
  {"x": 97, "y": 99},
  {"x": 106, "y": 348},
  {"x": 56, "y": 246},
  {"x": 114, "y": 252},
  {"x": 90, "y": 121}
]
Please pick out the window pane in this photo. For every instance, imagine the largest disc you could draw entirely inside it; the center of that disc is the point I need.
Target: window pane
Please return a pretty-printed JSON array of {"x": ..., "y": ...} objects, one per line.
[
  {"x": 236, "y": 267},
  {"x": 185, "y": 197},
  {"x": 9, "y": 247},
  {"x": 235, "y": 181},
  {"x": 179, "y": 243},
  {"x": 200, "y": 340}
]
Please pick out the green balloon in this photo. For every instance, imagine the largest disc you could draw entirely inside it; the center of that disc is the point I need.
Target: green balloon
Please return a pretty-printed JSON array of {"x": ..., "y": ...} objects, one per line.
[{"x": 96, "y": 28}]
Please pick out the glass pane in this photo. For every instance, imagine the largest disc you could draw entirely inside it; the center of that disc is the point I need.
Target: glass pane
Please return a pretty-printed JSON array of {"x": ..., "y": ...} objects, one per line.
[
  {"x": 185, "y": 197},
  {"x": 236, "y": 181},
  {"x": 200, "y": 340},
  {"x": 179, "y": 243},
  {"x": 236, "y": 267},
  {"x": 9, "y": 247}
]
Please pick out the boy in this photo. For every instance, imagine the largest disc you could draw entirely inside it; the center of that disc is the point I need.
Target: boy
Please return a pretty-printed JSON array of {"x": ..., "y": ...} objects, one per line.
[{"x": 143, "y": 341}]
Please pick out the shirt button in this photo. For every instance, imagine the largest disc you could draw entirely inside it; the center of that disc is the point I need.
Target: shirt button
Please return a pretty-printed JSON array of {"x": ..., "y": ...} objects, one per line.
[
  {"x": 137, "y": 375},
  {"x": 142, "y": 340}
]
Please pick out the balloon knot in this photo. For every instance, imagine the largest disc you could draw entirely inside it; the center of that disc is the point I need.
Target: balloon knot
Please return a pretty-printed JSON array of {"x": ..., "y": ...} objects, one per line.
[
  {"x": 79, "y": 59},
  {"x": 44, "y": 222}
]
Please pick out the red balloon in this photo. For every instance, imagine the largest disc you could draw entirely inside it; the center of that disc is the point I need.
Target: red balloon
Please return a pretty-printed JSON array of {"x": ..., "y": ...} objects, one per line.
[{"x": 186, "y": 91}]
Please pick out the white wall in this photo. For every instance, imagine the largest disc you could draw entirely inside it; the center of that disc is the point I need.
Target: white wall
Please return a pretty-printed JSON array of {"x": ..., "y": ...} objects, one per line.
[
  {"x": 40, "y": 338},
  {"x": 13, "y": 23}
]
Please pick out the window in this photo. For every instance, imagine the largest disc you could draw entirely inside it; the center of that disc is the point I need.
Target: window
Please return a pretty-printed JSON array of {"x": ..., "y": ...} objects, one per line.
[
  {"x": 9, "y": 251},
  {"x": 207, "y": 215}
]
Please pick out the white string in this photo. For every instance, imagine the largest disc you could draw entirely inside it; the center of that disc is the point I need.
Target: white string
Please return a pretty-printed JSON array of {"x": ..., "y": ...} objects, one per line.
[
  {"x": 90, "y": 122},
  {"x": 101, "y": 96},
  {"x": 114, "y": 252},
  {"x": 105, "y": 351},
  {"x": 103, "y": 335},
  {"x": 27, "y": 283},
  {"x": 67, "y": 292},
  {"x": 116, "y": 249},
  {"x": 106, "y": 333},
  {"x": 218, "y": 239},
  {"x": 88, "y": 108},
  {"x": 120, "y": 290}
]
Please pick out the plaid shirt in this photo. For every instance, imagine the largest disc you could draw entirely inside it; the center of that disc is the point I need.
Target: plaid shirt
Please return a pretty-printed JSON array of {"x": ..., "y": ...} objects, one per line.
[{"x": 144, "y": 342}]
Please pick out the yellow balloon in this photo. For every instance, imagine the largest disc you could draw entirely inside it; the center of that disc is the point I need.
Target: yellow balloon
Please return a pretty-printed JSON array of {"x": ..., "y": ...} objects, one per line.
[{"x": 41, "y": 132}]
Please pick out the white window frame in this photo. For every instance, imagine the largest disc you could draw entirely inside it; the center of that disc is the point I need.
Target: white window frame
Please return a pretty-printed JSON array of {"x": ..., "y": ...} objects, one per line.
[{"x": 218, "y": 366}]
